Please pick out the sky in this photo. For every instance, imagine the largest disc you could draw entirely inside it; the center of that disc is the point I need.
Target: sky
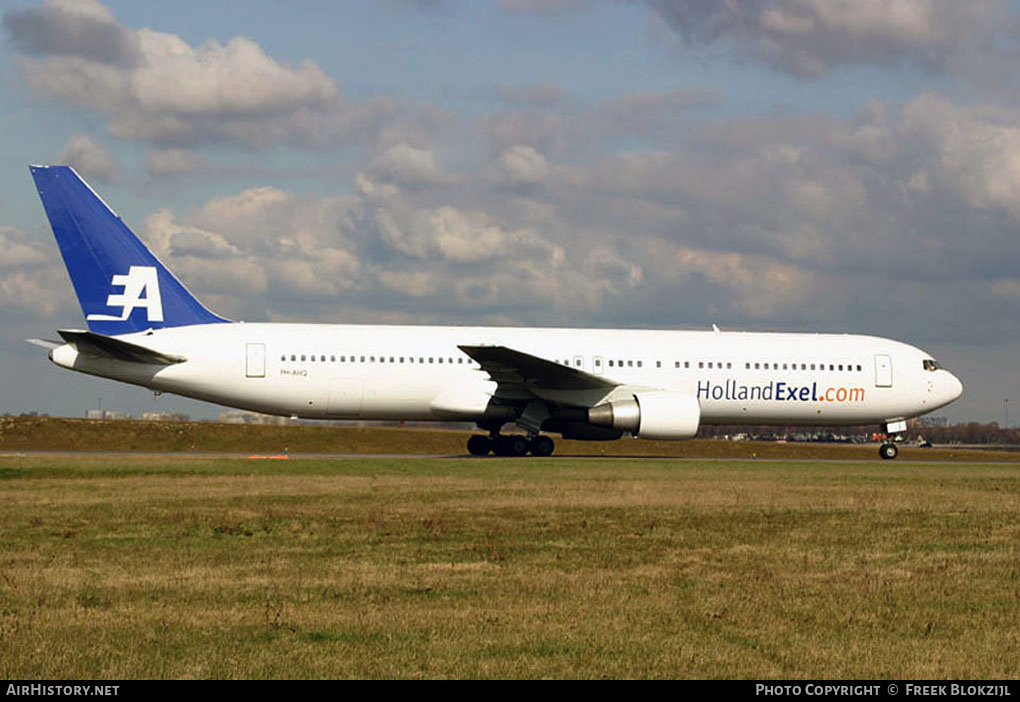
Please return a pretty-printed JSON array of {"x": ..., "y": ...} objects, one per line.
[{"x": 797, "y": 165}]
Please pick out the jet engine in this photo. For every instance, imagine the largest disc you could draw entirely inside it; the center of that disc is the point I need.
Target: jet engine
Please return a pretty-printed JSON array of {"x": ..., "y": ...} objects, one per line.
[{"x": 666, "y": 416}]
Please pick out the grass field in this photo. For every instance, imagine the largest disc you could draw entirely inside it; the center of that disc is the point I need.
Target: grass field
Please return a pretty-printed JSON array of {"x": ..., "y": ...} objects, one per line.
[
  {"x": 188, "y": 567},
  {"x": 66, "y": 434}
]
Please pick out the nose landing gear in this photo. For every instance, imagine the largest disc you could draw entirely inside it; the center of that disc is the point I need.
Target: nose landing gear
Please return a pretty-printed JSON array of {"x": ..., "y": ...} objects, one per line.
[{"x": 888, "y": 451}]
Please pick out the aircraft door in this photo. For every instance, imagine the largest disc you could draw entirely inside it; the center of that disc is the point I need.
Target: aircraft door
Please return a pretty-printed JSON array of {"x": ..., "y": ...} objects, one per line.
[
  {"x": 596, "y": 365},
  {"x": 255, "y": 361},
  {"x": 883, "y": 370},
  {"x": 345, "y": 398},
  {"x": 579, "y": 362}
]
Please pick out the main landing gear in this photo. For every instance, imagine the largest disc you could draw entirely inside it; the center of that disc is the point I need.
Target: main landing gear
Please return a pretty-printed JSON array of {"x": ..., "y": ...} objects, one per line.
[{"x": 510, "y": 445}]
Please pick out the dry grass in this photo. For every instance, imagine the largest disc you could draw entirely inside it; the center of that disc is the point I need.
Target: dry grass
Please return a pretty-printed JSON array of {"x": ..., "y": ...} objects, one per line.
[
  {"x": 194, "y": 567},
  {"x": 63, "y": 434}
]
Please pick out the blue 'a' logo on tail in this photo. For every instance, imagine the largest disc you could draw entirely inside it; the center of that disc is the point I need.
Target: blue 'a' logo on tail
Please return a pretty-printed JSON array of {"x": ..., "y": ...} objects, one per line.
[{"x": 121, "y": 285}]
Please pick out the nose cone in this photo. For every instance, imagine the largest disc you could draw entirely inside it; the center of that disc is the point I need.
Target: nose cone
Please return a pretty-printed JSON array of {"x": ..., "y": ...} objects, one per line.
[
  {"x": 949, "y": 387},
  {"x": 955, "y": 387}
]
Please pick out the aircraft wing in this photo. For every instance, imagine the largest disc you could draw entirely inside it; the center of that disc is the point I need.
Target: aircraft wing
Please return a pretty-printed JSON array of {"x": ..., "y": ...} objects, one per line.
[
  {"x": 508, "y": 367},
  {"x": 111, "y": 347}
]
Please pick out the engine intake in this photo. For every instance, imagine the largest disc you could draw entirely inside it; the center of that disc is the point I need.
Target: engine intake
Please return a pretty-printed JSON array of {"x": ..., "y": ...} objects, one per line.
[{"x": 666, "y": 416}]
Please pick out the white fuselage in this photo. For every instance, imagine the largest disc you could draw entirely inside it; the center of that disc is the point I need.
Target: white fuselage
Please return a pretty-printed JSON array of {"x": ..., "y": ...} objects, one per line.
[{"x": 419, "y": 373}]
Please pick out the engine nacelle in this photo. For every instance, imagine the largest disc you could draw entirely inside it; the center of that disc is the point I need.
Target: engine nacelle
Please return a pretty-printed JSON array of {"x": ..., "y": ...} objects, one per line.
[{"x": 666, "y": 416}]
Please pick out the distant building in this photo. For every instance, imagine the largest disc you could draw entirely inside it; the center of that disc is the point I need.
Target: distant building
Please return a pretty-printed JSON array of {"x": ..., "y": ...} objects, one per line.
[
  {"x": 106, "y": 414},
  {"x": 152, "y": 416},
  {"x": 932, "y": 422},
  {"x": 245, "y": 417}
]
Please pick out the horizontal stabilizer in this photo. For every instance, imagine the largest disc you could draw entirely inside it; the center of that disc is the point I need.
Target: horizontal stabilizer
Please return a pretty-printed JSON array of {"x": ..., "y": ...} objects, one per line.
[
  {"x": 107, "y": 346},
  {"x": 45, "y": 343},
  {"x": 508, "y": 366}
]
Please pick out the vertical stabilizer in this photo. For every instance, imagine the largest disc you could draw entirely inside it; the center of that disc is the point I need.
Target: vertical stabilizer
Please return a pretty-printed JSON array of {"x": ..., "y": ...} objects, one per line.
[{"x": 121, "y": 286}]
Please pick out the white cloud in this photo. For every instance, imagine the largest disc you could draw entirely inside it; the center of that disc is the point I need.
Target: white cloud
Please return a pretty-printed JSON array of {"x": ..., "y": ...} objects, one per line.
[
  {"x": 520, "y": 165},
  {"x": 72, "y": 27},
  {"x": 976, "y": 154},
  {"x": 18, "y": 251},
  {"x": 809, "y": 38},
  {"x": 168, "y": 162},
  {"x": 154, "y": 86},
  {"x": 31, "y": 280},
  {"x": 88, "y": 158},
  {"x": 407, "y": 166}
]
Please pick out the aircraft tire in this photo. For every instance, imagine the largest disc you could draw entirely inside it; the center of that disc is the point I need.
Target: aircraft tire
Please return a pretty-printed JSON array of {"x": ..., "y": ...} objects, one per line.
[
  {"x": 510, "y": 445},
  {"x": 888, "y": 451},
  {"x": 479, "y": 445},
  {"x": 542, "y": 446},
  {"x": 517, "y": 446}
]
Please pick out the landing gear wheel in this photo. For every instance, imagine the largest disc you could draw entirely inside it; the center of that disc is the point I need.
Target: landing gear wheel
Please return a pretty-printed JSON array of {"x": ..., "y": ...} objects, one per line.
[
  {"x": 542, "y": 446},
  {"x": 516, "y": 445},
  {"x": 888, "y": 451},
  {"x": 510, "y": 445},
  {"x": 479, "y": 445}
]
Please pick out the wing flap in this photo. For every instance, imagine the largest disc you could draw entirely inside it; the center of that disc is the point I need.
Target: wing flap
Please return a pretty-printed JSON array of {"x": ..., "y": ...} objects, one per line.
[
  {"x": 507, "y": 366},
  {"x": 110, "y": 347}
]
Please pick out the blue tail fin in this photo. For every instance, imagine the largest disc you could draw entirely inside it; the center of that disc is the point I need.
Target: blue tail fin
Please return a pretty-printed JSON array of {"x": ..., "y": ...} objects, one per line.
[{"x": 121, "y": 286}]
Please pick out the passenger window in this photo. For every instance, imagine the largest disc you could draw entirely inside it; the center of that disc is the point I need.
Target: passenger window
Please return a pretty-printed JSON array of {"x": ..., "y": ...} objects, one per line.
[{"x": 639, "y": 364}]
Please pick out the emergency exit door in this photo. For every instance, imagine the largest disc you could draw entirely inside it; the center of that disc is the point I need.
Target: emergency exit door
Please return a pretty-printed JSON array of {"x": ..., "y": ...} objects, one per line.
[{"x": 255, "y": 361}]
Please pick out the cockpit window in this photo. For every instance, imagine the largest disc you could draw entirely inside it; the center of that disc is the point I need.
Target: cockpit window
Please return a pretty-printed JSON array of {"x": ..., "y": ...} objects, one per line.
[{"x": 931, "y": 364}]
